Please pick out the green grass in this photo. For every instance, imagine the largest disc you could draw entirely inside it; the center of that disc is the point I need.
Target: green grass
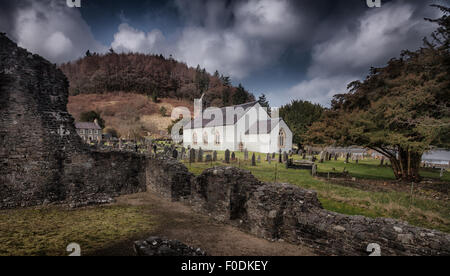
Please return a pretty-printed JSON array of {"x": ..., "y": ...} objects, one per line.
[
  {"x": 48, "y": 230},
  {"x": 416, "y": 210}
]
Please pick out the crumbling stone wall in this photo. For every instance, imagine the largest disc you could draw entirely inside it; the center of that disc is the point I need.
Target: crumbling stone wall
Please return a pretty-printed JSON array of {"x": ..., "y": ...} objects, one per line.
[
  {"x": 169, "y": 178},
  {"x": 287, "y": 212},
  {"x": 223, "y": 192},
  {"x": 42, "y": 159}
]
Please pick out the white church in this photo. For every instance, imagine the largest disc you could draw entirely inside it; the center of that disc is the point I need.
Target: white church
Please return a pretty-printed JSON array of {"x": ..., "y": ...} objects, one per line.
[{"x": 236, "y": 128}]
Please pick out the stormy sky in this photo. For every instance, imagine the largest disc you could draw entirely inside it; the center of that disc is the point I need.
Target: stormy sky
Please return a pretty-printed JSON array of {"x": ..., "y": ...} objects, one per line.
[{"x": 287, "y": 49}]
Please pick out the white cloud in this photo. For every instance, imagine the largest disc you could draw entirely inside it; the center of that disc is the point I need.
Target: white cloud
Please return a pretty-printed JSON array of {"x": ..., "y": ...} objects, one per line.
[
  {"x": 227, "y": 52},
  {"x": 380, "y": 34},
  {"x": 51, "y": 29},
  {"x": 255, "y": 39},
  {"x": 320, "y": 90},
  {"x": 128, "y": 39}
]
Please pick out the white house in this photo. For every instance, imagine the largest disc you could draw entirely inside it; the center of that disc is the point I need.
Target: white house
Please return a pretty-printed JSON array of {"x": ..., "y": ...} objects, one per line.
[{"x": 236, "y": 128}]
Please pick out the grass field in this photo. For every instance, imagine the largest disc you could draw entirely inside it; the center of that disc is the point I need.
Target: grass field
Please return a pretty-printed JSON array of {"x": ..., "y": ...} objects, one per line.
[
  {"x": 47, "y": 231},
  {"x": 416, "y": 210}
]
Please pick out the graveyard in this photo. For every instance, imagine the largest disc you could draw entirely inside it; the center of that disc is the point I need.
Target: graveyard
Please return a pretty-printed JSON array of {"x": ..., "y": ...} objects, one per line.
[{"x": 381, "y": 196}]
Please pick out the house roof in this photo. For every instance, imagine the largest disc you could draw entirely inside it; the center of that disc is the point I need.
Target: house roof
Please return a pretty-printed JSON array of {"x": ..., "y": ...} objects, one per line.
[
  {"x": 86, "y": 125},
  {"x": 263, "y": 127},
  {"x": 212, "y": 122}
]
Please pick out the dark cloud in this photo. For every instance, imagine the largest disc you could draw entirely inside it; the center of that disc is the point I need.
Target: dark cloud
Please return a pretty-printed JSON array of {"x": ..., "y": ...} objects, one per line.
[{"x": 328, "y": 42}]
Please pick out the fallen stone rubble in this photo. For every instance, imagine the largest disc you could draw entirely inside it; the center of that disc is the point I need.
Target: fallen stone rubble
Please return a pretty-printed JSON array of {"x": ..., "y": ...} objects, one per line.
[{"x": 155, "y": 246}]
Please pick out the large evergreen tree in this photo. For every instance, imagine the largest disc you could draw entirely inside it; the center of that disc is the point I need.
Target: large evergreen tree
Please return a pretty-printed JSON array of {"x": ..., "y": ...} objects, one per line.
[
  {"x": 400, "y": 110},
  {"x": 299, "y": 116}
]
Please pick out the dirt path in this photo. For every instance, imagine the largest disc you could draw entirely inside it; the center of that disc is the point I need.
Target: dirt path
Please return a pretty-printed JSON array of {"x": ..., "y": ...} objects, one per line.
[{"x": 178, "y": 222}]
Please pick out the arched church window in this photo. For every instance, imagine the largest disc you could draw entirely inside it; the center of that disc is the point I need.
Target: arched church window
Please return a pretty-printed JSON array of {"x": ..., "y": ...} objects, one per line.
[
  {"x": 205, "y": 138},
  {"x": 217, "y": 138},
  {"x": 194, "y": 138},
  {"x": 282, "y": 138}
]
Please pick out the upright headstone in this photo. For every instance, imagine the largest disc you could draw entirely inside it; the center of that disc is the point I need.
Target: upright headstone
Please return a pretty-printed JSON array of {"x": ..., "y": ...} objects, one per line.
[
  {"x": 183, "y": 153},
  {"x": 321, "y": 157},
  {"x": 314, "y": 170},
  {"x": 267, "y": 157},
  {"x": 280, "y": 157},
  {"x": 253, "y": 160},
  {"x": 192, "y": 156},
  {"x": 347, "y": 157},
  {"x": 215, "y": 156},
  {"x": 174, "y": 154},
  {"x": 382, "y": 161},
  {"x": 200, "y": 155},
  {"x": 269, "y": 160},
  {"x": 285, "y": 157},
  {"x": 273, "y": 156},
  {"x": 227, "y": 156},
  {"x": 208, "y": 158},
  {"x": 259, "y": 159},
  {"x": 245, "y": 155},
  {"x": 233, "y": 157},
  {"x": 335, "y": 157}
]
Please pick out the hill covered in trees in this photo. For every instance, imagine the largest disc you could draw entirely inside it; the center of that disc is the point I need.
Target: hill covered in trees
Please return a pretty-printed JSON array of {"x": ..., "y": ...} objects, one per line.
[{"x": 151, "y": 75}]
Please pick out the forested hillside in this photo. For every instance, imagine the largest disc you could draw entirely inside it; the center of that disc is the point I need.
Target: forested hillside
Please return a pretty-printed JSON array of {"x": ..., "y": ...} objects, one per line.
[{"x": 152, "y": 75}]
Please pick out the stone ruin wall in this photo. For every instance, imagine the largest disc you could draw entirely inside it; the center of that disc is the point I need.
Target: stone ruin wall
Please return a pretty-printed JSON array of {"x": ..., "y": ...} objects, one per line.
[
  {"x": 42, "y": 160},
  {"x": 287, "y": 212}
]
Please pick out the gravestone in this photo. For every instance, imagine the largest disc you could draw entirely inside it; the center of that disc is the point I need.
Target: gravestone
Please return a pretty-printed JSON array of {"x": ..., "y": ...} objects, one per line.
[
  {"x": 233, "y": 157},
  {"x": 253, "y": 160},
  {"x": 183, "y": 152},
  {"x": 259, "y": 159},
  {"x": 314, "y": 170},
  {"x": 267, "y": 157},
  {"x": 269, "y": 160},
  {"x": 321, "y": 157},
  {"x": 285, "y": 157},
  {"x": 382, "y": 161},
  {"x": 245, "y": 155},
  {"x": 215, "y": 156},
  {"x": 335, "y": 157},
  {"x": 208, "y": 158},
  {"x": 227, "y": 156},
  {"x": 174, "y": 154},
  {"x": 347, "y": 156},
  {"x": 273, "y": 156},
  {"x": 192, "y": 156},
  {"x": 200, "y": 155},
  {"x": 280, "y": 157}
]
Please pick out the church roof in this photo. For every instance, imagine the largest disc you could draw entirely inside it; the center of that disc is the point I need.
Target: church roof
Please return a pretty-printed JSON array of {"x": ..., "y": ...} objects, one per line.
[
  {"x": 258, "y": 127},
  {"x": 85, "y": 125},
  {"x": 212, "y": 122}
]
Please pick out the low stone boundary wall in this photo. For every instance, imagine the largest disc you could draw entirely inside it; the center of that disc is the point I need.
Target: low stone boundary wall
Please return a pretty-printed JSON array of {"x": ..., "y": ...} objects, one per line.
[{"x": 287, "y": 212}]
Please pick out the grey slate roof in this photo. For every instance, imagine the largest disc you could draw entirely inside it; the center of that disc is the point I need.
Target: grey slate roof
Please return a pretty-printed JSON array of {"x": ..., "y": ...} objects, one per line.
[
  {"x": 85, "y": 125},
  {"x": 223, "y": 122}
]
